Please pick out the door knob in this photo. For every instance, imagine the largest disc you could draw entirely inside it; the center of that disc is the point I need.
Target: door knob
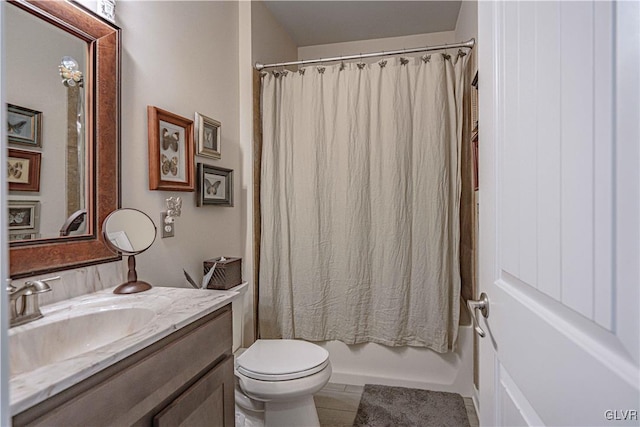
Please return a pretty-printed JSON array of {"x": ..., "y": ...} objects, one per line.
[{"x": 483, "y": 305}]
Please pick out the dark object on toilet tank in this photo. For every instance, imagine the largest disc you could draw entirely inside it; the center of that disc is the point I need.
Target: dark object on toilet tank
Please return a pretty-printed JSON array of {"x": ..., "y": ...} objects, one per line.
[{"x": 227, "y": 272}]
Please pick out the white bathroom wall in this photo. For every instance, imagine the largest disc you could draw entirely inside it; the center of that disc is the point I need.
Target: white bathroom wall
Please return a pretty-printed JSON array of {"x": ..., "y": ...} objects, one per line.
[{"x": 375, "y": 45}]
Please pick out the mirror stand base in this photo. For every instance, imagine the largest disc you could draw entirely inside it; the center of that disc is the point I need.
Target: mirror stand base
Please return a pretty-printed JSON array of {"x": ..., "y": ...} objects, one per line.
[{"x": 132, "y": 288}]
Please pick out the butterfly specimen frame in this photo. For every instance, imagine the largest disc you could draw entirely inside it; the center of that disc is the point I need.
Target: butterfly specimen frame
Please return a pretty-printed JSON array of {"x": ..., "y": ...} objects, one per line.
[
  {"x": 24, "y": 216},
  {"x": 208, "y": 136},
  {"x": 24, "y": 126},
  {"x": 215, "y": 186},
  {"x": 23, "y": 170},
  {"x": 170, "y": 151}
]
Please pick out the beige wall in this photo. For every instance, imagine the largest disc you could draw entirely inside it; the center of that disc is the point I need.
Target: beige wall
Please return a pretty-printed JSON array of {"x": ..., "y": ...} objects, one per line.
[
  {"x": 186, "y": 57},
  {"x": 467, "y": 27},
  {"x": 467, "y": 24},
  {"x": 197, "y": 56},
  {"x": 181, "y": 57},
  {"x": 262, "y": 39},
  {"x": 269, "y": 41}
]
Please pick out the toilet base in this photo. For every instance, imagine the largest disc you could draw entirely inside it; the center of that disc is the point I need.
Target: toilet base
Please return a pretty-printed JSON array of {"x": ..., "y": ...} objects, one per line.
[
  {"x": 279, "y": 414},
  {"x": 290, "y": 413},
  {"x": 249, "y": 413},
  {"x": 245, "y": 418}
]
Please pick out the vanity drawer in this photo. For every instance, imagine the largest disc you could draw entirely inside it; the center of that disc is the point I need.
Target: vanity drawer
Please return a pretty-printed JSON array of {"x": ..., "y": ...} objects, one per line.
[
  {"x": 210, "y": 402},
  {"x": 135, "y": 389}
]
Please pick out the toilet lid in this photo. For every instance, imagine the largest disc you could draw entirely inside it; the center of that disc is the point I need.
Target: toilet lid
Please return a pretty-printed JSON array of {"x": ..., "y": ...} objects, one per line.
[{"x": 280, "y": 360}]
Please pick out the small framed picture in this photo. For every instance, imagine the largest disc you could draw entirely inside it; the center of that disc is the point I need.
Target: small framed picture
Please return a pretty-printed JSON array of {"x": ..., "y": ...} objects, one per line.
[
  {"x": 23, "y": 170},
  {"x": 22, "y": 236},
  {"x": 170, "y": 151},
  {"x": 24, "y": 216},
  {"x": 208, "y": 135},
  {"x": 215, "y": 186},
  {"x": 24, "y": 126}
]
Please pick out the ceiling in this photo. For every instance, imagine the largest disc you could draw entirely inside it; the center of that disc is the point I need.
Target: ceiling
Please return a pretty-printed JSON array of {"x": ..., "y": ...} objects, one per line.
[{"x": 320, "y": 22}]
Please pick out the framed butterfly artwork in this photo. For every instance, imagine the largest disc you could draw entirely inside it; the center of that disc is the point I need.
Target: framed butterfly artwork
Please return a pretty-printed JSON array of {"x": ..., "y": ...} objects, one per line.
[
  {"x": 24, "y": 216},
  {"x": 170, "y": 151},
  {"x": 23, "y": 170},
  {"x": 215, "y": 186},
  {"x": 24, "y": 126},
  {"x": 208, "y": 136}
]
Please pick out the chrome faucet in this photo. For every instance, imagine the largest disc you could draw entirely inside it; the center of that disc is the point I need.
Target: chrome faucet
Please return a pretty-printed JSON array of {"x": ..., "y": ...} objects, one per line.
[{"x": 23, "y": 302}]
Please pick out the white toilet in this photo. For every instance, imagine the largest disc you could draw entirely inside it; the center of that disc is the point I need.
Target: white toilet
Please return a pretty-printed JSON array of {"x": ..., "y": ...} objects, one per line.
[{"x": 275, "y": 383}]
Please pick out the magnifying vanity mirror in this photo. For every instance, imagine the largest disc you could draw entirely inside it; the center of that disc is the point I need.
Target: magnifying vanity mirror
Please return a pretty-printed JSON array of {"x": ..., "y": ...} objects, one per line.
[
  {"x": 129, "y": 232},
  {"x": 62, "y": 67}
]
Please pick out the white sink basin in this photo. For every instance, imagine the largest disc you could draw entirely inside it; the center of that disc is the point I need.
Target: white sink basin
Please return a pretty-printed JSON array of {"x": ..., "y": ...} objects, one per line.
[
  {"x": 50, "y": 340},
  {"x": 81, "y": 336}
]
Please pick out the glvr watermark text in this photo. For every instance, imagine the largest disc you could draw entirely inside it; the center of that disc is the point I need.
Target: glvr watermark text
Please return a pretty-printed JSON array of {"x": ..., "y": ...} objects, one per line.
[{"x": 621, "y": 414}]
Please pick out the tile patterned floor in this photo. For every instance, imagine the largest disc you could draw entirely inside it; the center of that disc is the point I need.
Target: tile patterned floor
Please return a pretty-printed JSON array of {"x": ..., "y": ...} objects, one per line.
[{"x": 337, "y": 405}]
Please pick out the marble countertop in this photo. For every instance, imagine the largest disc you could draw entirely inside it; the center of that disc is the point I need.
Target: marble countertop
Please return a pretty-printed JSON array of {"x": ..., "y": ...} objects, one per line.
[{"x": 171, "y": 309}]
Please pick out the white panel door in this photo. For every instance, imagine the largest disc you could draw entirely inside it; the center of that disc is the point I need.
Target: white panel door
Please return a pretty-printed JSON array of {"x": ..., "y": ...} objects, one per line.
[{"x": 560, "y": 212}]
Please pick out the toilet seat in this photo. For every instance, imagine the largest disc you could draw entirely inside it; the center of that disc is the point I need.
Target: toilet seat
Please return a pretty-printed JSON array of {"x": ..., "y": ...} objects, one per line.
[{"x": 281, "y": 360}]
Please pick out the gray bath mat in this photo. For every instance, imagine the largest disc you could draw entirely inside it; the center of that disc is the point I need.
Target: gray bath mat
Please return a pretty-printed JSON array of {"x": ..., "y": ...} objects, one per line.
[{"x": 398, "y": 406}]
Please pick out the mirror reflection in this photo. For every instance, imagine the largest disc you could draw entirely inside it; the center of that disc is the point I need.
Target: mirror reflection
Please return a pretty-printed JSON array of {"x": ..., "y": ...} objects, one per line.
[
  {"x": 129, "y": 232},
  {"x": 45, "y": 68}
]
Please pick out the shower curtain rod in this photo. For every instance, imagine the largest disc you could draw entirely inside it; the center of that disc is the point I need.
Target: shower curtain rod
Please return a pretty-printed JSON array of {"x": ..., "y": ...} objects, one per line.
[{"x": 468, "y": 44}]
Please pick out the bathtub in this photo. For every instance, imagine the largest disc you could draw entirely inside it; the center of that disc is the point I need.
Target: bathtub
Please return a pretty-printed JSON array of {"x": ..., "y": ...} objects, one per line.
[{"x": 411, "y": 367}]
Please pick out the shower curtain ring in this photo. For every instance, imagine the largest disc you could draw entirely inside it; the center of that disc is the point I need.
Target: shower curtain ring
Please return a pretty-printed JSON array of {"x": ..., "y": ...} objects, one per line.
[
  {"x": 446, "y": 54},
  {"x": 383, "y": 62}
]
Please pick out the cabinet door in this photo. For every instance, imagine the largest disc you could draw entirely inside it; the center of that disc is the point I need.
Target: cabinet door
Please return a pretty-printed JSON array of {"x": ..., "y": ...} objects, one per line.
[{"x": 209, "y": 402}]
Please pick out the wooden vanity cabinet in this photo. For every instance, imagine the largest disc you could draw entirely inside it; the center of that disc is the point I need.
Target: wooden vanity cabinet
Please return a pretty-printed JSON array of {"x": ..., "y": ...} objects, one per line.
[
  {"x": 184, "y": 379},
  {"x": 203, "y": 403}
]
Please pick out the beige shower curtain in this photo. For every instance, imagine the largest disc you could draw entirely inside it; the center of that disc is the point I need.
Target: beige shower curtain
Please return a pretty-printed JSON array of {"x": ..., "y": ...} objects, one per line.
[{"x": 360, "y": 202}]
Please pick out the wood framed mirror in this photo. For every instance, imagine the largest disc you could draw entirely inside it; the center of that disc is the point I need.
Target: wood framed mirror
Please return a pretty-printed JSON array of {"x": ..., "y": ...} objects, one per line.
[{"x": 102, "y": 120}]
